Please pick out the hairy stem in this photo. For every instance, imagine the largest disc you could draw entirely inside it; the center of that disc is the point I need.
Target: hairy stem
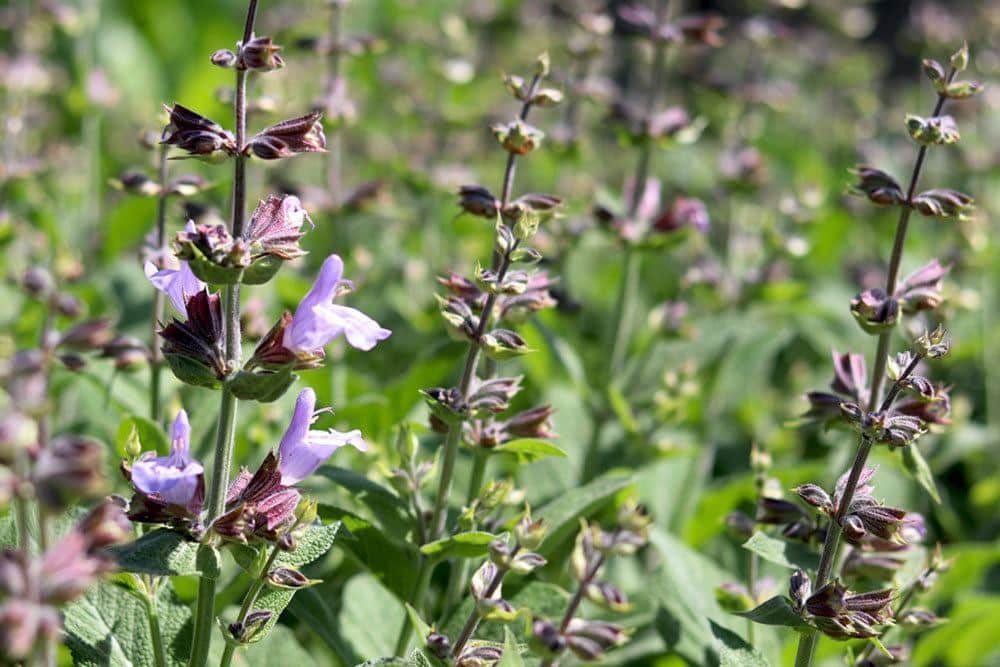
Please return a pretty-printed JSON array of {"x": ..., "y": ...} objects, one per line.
[
  {"x": 225, "y": 436},
  {"x": 807, "y": 642},
  {"x": 153, "y": 617}
]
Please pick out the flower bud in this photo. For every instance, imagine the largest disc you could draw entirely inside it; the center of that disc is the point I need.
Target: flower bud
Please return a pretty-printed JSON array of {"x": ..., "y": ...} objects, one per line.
[
  {"x": 683, "y": 212},
  {"x": 438, "y": 645},
  {"x": 777, "y": 511},
  {"x": 303, "y": 134},
  {"x": 260, "y": 54},
  {"x": 944, "y": 203},
  {"x": 478, "y": 200},
  {"x": 874, "y": 310},
  {"x": 799, "y": 588},
  {"x": 255, "y": 622},
  {"x": 136, "y": 183},
  {"x": 290, "y": 578},
  {"x": 880, "y": 188},
  {"x": 503, "y": 344},
  {"x": 70, "y": 468},
  {"x": 853, "y": 527},
  {"x": 814, "y": 495},
  {"x": 960, "y": 59},
  {"x": 934, "y": 130},
  {"x": 935, "y": 72},
  {"x": 518, "y": 137},
  {"x": 607, "y": 596},
  {"x": 87, "y": 335},
  {"x": 545, "y": 639},
  {"x": 526, "y": 562},
  {"x": 739, "y": 525},
  {"x": 37, "y": 282},
  {"x": 224, "y": 58},
  {"x": 530, "y": 533}
]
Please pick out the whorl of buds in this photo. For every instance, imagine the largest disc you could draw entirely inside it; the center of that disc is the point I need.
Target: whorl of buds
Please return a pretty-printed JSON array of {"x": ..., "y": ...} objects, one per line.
[
  {"x": 260, "y": 54},
  {"x": 935, "y": 130},
  {"x": 199, "y": 136},
  {"x": 878, "y": 186},
  {"x": 874, "y": 310},
  {"x": 518, "y": 137},
  {"x": 303, "y": 134},
  {"x": 944, "y": 203}
]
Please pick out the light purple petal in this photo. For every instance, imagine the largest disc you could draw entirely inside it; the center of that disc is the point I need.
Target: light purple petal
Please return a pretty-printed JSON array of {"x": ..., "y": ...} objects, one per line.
[
  {"x": 302, "y": 451},
  {"x": 177, "y": 284},
  {"x": 362, "y": 332},
  {"x": 175, "y": 484},
  {"x": 181, "y": 436},
  {"x": 317, "y": 320},
  {"x": 325, "y": 287},
  {"x": 298, "y": 428}
]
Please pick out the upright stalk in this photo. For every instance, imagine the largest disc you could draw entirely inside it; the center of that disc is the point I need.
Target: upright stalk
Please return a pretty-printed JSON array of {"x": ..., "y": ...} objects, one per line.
[
  {"x": 159, "y": 298},
  {"x": 628, "y": 286},
  {"x": 574, "y": 603},
  {"x": 226, "y": 430},
  {"x": 807, "y": 642}
]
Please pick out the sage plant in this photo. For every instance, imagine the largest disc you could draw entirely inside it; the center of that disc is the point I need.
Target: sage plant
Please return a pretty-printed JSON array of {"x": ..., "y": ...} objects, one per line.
[
  {"x": 822, "y": 602},
  {"x": 467, "y": 412},
  {"x": 639, "y": 225},
  {"x": 262, "y": 511}
]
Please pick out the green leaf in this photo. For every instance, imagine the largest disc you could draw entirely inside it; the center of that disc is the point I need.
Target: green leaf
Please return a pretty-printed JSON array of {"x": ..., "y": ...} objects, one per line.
[
  {"x": 793, "y": 555},
  {"x": 473, "y": 544},
  {"x": 734, "y": 652},
  {"x": 313, "y": 544},
  {"x": 280, "y": 650},
  {"x": 387, "y": 508},
  {"x": 370, "y": 618},
  {"x": 528, "y": 450},
  {"x": 109, "y": 626},
  {"x": 915, "y": 464},
  {"x": 776, "y": 611},
  {"x": 151, "y": 435},
  {"x": 689, "y": 619},
  {"x": 262, "y": 386},
  {"x": 511, "y": 652},
  {"x": 376, "y": 551},
  {"x": 418, "y": 624},
  {"x": 274, "y": 600},
  {"x": 162, "y": 552},
  {"x": 562, "y": 515},
  {"x": 621, "y": 408}
]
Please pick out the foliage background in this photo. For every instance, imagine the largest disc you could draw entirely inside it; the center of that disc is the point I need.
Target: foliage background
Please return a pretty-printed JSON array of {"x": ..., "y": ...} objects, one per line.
[{"x": 816, "y": 87}]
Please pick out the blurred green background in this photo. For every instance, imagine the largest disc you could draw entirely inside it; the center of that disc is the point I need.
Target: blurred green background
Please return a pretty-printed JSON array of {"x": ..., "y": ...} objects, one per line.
[{"x": 799, "y": 93}]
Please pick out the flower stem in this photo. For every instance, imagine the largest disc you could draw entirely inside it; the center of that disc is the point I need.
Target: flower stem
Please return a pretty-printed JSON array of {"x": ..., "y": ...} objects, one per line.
[
  {"x": 460, "y": 572},
  {"x": 807, "y": 642},
  {"x": 473, "y": 621},
  {"x": 575, "y": 601},
  {"x": 248, "y": 601},
  {"x": 159, "y": 654},
  {"x": 225, "y": 436},
  {"x": 159, "y": 298}
]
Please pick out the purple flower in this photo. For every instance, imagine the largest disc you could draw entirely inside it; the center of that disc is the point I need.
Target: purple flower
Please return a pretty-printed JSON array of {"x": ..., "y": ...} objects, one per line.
[
  {"x": 317, "y": 320},
  {"x": 175, "y": 479},
  {"x": 178, "y": 284},
  {"x": 303, "y": 450}
]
